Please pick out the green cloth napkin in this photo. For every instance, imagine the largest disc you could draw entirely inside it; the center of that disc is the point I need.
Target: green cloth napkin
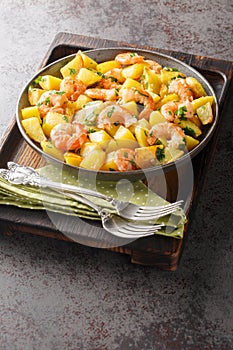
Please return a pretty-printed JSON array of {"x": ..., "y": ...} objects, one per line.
[{"x": 34, "y": 198}]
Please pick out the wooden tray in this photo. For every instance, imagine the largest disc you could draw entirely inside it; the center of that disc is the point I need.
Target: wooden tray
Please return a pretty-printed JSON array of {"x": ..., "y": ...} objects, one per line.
[{"x": 159, "y": 251}]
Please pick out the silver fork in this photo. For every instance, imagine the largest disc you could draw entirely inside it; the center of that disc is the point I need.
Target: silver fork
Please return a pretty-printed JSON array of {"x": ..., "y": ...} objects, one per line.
[
  {"x": 18, "y": 174},
  {"x": 117, "y": 225}
]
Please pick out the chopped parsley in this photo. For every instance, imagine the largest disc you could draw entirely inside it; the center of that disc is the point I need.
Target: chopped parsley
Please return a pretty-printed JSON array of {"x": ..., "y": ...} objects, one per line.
[
  {"x": 109, "y": 114},
  {"x": 60, "y": 93},
  {"x": 65, "y": 118},
  {"x": 189, "y": 131},
  {"x": 168, "y": 69},
  {"x": 181, "y": 112},
  {"x": 132, "y": 161},
  {"x": 177, "y": 76},
  {"x": 72, "y": 71},
  {"x": 160, "y": 154},
  {"x": 158, "y": 142},
  {"x": 101, "y": 74},
  {"x": 47, "y": 101},
  {"x": 38, "y": 79},
  {"x": 117, "y": 91},
  {"x": 141, "y": 93},
  {"x": 113, "y": 79}
]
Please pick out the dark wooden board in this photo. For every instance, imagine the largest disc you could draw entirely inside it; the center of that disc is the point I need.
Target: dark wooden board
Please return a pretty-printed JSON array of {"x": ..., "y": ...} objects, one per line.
[{"x": 159, "y": 251}]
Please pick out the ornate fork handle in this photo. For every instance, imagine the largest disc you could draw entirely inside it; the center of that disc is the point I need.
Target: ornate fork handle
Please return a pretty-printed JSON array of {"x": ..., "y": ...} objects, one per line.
[{"x": 25, "y": 175}]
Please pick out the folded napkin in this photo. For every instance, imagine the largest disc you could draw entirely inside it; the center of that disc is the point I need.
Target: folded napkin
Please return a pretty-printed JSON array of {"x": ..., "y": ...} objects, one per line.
[{"x": 34, "y": 198}]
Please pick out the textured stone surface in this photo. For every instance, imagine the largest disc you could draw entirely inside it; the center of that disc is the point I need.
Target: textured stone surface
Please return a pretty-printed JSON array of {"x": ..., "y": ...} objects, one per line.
[{"x": 57, "y": 295}]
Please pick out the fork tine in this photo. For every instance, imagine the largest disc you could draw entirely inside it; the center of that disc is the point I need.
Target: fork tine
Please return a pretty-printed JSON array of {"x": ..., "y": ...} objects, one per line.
[
  {"x": 161, "y": 208},
  {"x": 143, "y": 227},
  {"x": 130, "y": 234},
  {"x": 138, "y": 231},
  {"x": 132, "y": 237},
  {"x": 150, "y": 216}
]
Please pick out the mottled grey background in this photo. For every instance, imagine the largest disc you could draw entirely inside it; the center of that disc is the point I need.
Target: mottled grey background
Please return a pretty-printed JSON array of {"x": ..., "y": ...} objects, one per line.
[{"x": 55, "y": 295}]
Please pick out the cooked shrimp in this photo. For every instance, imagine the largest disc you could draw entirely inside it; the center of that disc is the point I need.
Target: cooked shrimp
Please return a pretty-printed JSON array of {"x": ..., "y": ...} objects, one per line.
[
  {"x": 172, "y": 133},
  {"x": 116, "y": 73},
  {"x": 115, "y": 114},
  {"x": 112, "y": 78},
  {"x": 52, "y": 100},
  {"x": 181, "y": 88},
  {"x": 68, "y": 136},
  {"x": 72, "y": 87},
  {"x": 128, "y": 58},
  {"x": 168, "y": 110},
  {"x": 155, "y": 66},
  {"x": 185, "y": 109},
  {"x": 137, "y": 95},
  {"x": 102, "y": 94},
  {"x": 124, "y": 159}
]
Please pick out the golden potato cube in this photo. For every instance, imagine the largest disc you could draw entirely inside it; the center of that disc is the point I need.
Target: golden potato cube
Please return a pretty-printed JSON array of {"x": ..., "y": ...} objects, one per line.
[
  {"x": 156, "y": 117},
  {"x": 33, "y": 129},
  {"x": 196, "y": 87},
  {"x": 111, "y": 146},
  {"x": 50, "y": 149},
  {"x": 188, "y": 127},
  {"x": 109, "y": 164},
  {"x": 155, "y": 97},
  {"x": 134, "y": 71},
  {"x": 145, "y": 157},
  {"x": 29, "y": 112},
  {"x": 205, "y": 113},
  {"x": 94, "y": 160},
  {"x": 141, "y": 135},
  {"x": 81, "y": 101},
  {"x": 88, "y": 77},
  {"x": 49, "y": 82},
  {"x": 129, "y": 83},
  {"x": 88, "y": 62},
  {"x": 72, "y": 67},
  {"x": 51, "y": 119},
  {"x": 195, "y": 119},
  {"x": 34, "y": 95},
  {"x": 125, "y": 138},
  {"x": 151, "y": 80},
  {"x": 131, "y": 106},
  {"x": 190, "y": 142},
  {"x": 168, "y": 98},
  {"x": 106, "y": 66},
  {"x": 198, "y": 102},
  {"x": 101, "y": 137},
  {"x": 143, "y": 123},
  {"x": 72, "y": 158},
  {"x": 88, "y": 147},
  {"x": 111, "y": 130},
  {"x": 70, "y": 109},
  {"x": 168, "y": 75},
  {"x": 171, "y": 155}
]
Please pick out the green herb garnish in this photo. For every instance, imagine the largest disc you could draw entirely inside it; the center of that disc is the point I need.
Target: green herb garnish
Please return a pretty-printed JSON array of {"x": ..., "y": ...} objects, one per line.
[
  {"x": 160, "y": 154},
  {"x": 189, "y": 131},
  {"x": 72, "y": 71}
]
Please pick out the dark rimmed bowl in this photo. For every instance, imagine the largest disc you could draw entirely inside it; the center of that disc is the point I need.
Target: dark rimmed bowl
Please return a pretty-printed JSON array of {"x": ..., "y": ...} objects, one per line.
[{"x": 104, "y": 54}]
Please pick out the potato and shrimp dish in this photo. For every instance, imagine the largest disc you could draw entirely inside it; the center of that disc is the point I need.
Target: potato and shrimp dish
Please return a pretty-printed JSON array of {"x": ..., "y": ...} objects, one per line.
[{"x": 119, "y": 115}]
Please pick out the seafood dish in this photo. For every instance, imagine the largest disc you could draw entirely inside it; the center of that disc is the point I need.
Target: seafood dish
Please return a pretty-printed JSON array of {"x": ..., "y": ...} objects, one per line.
[{"x": 122, "y": 114}]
